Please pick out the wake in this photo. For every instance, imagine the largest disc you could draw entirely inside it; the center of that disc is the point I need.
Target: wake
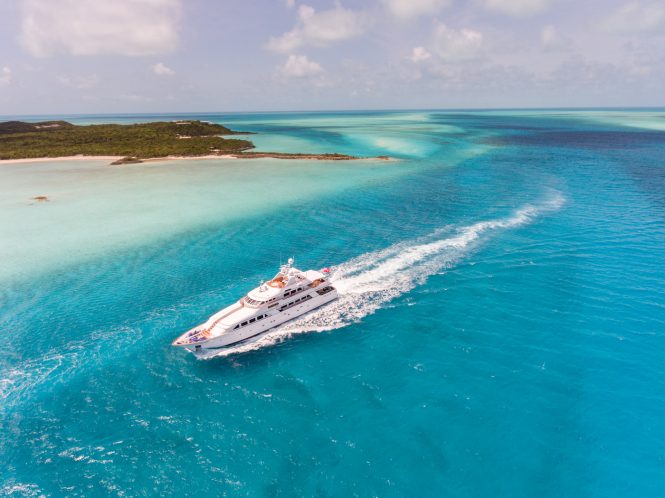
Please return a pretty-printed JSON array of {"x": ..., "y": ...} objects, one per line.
[{"x": 371, "y": 280}]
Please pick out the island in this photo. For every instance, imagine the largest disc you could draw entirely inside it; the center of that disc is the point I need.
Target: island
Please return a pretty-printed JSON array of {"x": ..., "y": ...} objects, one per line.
[{"x": 134, "y": 143}]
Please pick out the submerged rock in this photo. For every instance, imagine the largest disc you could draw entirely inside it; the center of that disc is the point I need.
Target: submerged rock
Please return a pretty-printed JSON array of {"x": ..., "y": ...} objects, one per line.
[{"x": 127, "y": 160}]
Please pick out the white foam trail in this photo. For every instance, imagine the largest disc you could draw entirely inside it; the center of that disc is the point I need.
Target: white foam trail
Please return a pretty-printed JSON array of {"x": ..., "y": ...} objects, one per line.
[{"x": 367, "y": 282}]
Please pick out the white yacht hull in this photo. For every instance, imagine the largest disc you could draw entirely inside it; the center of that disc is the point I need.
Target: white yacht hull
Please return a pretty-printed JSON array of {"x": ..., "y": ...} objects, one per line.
[{"x": 274, "y": 319}]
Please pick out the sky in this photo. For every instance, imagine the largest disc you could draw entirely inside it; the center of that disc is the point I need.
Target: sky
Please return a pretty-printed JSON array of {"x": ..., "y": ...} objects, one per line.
[{"x": 133, "y": 56}]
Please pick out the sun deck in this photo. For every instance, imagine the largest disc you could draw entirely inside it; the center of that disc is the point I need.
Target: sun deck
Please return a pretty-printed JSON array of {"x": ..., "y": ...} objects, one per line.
[{"x": 193, "y": 336}]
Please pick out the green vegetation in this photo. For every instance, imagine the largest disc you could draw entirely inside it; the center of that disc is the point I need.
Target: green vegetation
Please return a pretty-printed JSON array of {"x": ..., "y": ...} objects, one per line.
[
  {"x": 134, "y": 142},
  {"x": 21, "y": 127},
  {"x": 299, "y": 155},
  {"x": 19, "y": 140}
]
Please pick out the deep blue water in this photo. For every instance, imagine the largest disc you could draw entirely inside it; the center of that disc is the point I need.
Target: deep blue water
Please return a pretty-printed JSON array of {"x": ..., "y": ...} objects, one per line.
[{"x": 501, "y": 330}]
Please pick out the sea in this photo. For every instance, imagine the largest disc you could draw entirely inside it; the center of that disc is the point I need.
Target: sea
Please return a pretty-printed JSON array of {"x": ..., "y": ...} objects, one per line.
[{"x": 500, "y": 330}]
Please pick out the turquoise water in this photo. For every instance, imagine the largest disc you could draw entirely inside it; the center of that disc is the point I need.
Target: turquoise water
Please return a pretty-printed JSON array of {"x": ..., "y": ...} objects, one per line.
[{"x": 500, "y": 330}]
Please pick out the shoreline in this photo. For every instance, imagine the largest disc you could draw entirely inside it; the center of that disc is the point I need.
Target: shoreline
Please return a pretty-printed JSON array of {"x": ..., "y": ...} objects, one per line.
[
  {"x": 62, "y": 158},
  {"x": 244, "y": 156}
]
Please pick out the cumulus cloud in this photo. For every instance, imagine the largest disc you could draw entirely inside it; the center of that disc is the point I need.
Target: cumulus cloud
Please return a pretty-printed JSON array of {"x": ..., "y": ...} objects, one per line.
[
  {"x": 552, "y": 40},
  {"x": 319, "y": 28},
  {"x": 517, "y": 8},
  {"x": 420, "y": 54},
  {"x": 80, "y": 82},
  {"x": 83, "y": 27},
  {"x": 5, "y": 76},
  {"x": 161, "y": 69},
  {"x": 406, "y": 9},
  {"x": 636, "y": 17},
  {"x": 299, "y": 66},
  {"x": 456, "y": 45},
  {"x": 549, "y": 36}
]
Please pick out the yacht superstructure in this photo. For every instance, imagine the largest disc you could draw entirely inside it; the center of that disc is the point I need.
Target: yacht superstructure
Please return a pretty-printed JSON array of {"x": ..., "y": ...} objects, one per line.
[{"x": 288, "y": 295}]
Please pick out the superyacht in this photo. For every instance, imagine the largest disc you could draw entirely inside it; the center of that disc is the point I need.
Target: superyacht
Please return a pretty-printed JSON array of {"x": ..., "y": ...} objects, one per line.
[{"x": 290, "y": 294}]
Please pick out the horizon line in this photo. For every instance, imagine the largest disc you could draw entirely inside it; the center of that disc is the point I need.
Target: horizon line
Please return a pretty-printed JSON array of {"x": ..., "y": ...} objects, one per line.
[{"x": 304, "y": 111}]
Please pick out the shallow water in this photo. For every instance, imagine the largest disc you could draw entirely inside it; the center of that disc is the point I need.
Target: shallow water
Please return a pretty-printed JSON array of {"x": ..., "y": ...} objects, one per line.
[{"x": 499, "y": 331}]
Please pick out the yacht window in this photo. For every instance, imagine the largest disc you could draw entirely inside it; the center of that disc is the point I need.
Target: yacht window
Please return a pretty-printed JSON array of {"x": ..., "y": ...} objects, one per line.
[
  {"x": 243, "y": 324},
  {"x": 260, "y": 317},
  {"x": 252, "y": 320},
  {"x": 238, "y": 325}
]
